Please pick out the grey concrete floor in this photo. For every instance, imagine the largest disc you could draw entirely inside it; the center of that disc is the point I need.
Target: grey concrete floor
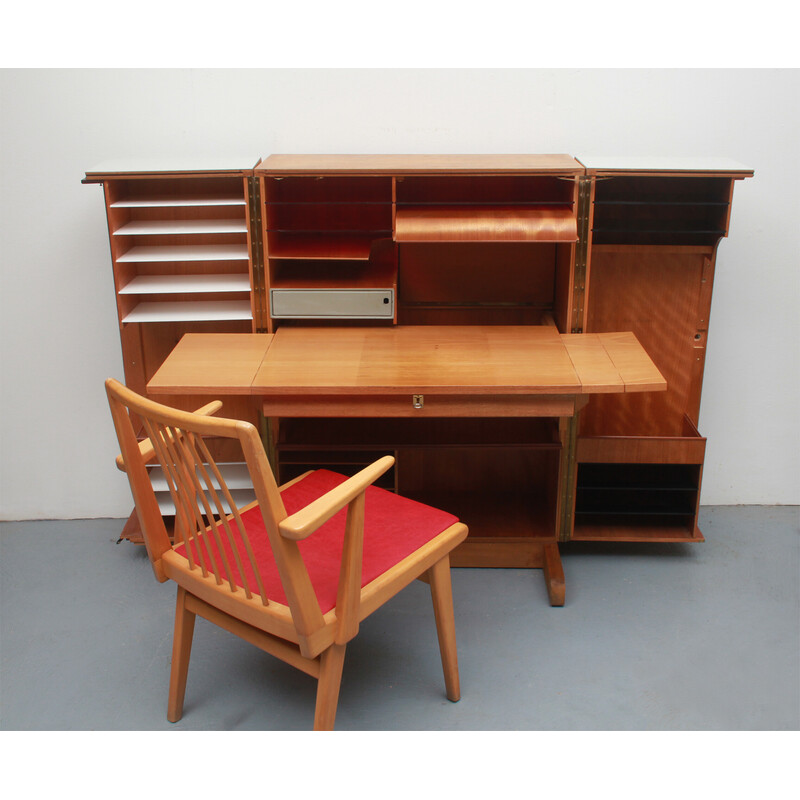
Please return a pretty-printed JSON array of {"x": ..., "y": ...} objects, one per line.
[{"x": 699, "y": 637}]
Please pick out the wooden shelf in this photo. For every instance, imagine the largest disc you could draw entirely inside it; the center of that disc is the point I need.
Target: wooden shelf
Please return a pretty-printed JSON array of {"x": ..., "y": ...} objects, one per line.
[
  {"x": 190, "y": 311},
  {"x": 330, "y": 247},
  {"x": 240, "y": 496},
  {"x": 186, "y": 284},
  {"x": 640, "y": 531},
  {"x": 485, "y": 224},
  {"x": 236, "y": 476}
]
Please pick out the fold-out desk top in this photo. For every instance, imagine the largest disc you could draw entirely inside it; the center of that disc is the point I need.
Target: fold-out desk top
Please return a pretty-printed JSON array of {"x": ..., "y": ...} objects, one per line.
[{"x": 410, "y": 370}]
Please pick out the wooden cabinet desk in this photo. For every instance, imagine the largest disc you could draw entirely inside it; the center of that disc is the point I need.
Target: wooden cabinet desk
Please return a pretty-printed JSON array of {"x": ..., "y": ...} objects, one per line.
[
  {"x": 444, "y": 257},
  {"x": 400, "y": 389}
]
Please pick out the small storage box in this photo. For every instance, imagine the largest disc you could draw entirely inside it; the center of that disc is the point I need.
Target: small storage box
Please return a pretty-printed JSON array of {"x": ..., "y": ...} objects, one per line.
[{"x": 332, "y": 303}]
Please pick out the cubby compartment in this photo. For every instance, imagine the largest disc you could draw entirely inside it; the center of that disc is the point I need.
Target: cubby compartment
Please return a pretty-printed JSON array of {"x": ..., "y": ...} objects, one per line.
[
  {"x": 485, "y": 190},
  {"x": 336, "y": 289},
  {"x": 323, "y": 217},
  {"x": 329, "y": 248},
  {"x": 639, "y": 488},
  {"x": 502, "y": 493},
  {"x": 480, "y": 283},
  {"x": 500, "y": 476},
  {"x": 180, "y": 249},
  {"x": 636, "y": 501},
  {"x": 675, "y": 211},
  {"x": 507, "y": 208}
]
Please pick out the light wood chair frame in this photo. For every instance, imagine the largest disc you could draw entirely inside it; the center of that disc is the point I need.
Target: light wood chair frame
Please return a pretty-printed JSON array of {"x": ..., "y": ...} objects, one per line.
[{"x": 297, "y": 632}]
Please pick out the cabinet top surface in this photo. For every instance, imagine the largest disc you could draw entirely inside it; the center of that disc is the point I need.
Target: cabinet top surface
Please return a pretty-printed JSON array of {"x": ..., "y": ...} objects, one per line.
[
  {"x": 410, "y": 164},
  {"x": 664, "y": 164},
  {"x": 172, "y": 165}
]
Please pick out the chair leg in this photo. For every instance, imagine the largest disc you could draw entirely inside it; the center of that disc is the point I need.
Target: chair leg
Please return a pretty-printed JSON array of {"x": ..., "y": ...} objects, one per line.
[
  {"x": 442, "y": 594},
  {"x": 181, "y": 650},
  {"x": 330, "y": 679}
]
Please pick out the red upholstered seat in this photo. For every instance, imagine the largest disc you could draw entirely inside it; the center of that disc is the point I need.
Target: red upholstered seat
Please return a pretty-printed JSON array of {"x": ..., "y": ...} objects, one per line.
[{"x": 394, "y": 527}]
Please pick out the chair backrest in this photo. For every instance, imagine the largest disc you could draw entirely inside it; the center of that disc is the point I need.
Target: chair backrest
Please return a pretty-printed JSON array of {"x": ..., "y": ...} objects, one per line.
[{"x": 209, "y": 530}]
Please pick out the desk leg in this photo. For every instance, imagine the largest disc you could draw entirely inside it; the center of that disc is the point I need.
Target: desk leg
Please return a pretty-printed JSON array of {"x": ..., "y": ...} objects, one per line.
[{"x": 553, "y": 574}]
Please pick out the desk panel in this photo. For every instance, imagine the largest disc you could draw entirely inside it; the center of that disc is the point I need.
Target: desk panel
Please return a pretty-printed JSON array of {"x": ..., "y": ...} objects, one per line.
[
  {"x": 407, "y": 360},
  {"x": 212, "y": 363}
]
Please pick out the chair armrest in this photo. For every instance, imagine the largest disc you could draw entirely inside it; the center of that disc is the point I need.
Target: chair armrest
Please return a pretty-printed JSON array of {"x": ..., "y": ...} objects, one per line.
[
  {"x": 305, "y": 521},
  {"x": 146, "y": 446}
]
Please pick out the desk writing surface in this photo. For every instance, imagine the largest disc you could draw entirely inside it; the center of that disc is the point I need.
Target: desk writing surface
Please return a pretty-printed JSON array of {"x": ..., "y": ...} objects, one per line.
[
  {"x": 453, "y": 360},
  {"x": 426, "y": 358},
  {"x": 211, "y": 363}
]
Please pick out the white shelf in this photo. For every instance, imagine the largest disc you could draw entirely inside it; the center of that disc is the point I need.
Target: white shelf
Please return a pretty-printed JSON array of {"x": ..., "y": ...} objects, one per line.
[
  {"x": 208, "y": 252},
  {"x": 181, "y": 284},
  {"x": 179, "y": 202},
  {"x": 164, "y": 227},
  {"x": 236, "y": 476},
  {"x": 241, "y": 497},
  {"x": 193, "y": 311}
]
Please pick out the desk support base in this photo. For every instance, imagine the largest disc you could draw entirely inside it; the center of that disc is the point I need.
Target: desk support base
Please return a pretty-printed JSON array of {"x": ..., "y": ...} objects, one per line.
[{"x": 515, "y": 553}]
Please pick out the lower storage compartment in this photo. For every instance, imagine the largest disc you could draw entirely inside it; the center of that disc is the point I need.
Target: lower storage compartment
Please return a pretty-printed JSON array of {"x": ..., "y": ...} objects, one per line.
[
  {"x": 499, "y": 476},
  {"x": 639, "y": 488},
  {"x": 499, "y": 493}
]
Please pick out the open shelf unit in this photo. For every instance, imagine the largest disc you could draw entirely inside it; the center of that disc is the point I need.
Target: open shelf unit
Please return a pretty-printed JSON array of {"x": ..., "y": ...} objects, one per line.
[
  {"x": 182, "y": 258},
  {"x": 454, "y": 464},
  {"x": 656, "y": 210},
  {"x": 186, "y": 236},
  {"x": 484, "y": 249},
  {"x": 328, "y": 248}
]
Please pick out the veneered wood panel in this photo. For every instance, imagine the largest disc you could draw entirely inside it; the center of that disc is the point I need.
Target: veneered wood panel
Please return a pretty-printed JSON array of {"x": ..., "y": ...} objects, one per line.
[
  {"x": 655, "y": 293},
  {"x": 219, "y": 363},
  {"x": 478, "y": 274},
  {"x": 482, "y": 224},
  {"x": 449, "y": 360}
]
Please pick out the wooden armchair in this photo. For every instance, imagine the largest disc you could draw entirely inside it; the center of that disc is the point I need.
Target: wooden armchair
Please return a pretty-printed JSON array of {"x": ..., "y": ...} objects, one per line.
[{"x": 294, "y": 572}]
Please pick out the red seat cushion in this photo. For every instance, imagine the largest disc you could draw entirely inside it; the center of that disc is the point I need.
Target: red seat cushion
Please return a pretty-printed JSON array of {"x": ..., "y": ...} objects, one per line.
[{"x": 394, "y": 527}]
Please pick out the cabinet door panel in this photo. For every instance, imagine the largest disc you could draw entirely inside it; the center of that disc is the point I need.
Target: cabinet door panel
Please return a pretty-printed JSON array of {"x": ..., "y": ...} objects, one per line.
[{"x": 654, "y": 292}]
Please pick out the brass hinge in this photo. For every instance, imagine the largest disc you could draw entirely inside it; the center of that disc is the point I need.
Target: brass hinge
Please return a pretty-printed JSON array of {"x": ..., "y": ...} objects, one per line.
[
  {"x": 257, "y": 255},
  {"x": 581, "y": 254}
]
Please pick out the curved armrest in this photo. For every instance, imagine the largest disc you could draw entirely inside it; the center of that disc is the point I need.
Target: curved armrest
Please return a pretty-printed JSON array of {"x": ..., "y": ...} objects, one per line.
[
  {"x": 305, "y": 521},
  {"x": 146, "y": 446}
]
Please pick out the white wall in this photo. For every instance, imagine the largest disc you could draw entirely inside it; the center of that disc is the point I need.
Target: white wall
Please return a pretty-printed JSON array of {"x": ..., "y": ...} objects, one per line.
[{"x": 59, "y": 329}]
